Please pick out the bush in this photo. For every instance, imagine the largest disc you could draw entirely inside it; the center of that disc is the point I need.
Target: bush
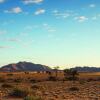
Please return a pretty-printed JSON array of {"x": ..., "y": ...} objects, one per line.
[
  {"x": 82, "y": 81},
  {"x": 72, "y": 78},
  {"x": 5, "y": 85},
  {"x": 74, "y": 89},
  {"x": 32, "y": 98},
  {"x": 90, "y": 79},
  {"x": 20, "y": 92},
  {"x": 26, "y": 72},
  {"x": 33, "y": 81},
  {"x": 52, "y": 78},
  {"x": 35, "y": 87},
  {"x": 10, "y": 74},
  {"x": 2, "y": 79},
  {"x": 19, "y": 80}
]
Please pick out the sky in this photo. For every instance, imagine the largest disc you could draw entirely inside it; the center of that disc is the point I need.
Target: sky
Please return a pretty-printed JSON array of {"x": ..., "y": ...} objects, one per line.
[{"x": 63, "y": 33}]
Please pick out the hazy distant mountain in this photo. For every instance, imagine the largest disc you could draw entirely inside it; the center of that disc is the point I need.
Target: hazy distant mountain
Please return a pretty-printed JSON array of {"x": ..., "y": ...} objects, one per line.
[
  {"x": 25, "y": 66},
  {"x": 87, "y": 69}
]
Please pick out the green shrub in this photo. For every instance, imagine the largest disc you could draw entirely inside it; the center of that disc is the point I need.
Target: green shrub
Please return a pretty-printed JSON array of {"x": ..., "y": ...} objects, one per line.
[
  {"x": 18, "y": 92},
  {"x": 32, "y": 98}
]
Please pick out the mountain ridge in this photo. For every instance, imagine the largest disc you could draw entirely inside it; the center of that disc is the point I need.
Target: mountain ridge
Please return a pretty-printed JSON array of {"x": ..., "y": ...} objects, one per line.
[{"x": 24, "y": 66}]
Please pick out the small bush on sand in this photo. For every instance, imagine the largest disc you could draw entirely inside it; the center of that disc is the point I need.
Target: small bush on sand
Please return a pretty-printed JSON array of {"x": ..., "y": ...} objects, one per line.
[
  {"x": 82, "y": 81},
  {"x": 52, "y": 78},
  {"x": 90, "y": 79},
  {"x": 18, "y": 80},
  {"x": 74, "y": 89},
  {"x": 32, "y": 98},
  {"x": 35, "y": 86},
  {"x": 2, "y": 79},
  {"x": 33, "y": 81},
  {"x": 18, "y": 92},
  {"x": 5, "y": 85},
  {"x": 10, "y": 74}
]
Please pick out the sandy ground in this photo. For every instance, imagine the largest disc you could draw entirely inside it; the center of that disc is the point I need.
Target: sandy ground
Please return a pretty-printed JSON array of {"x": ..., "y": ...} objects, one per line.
[
  {"x": 60, "y": 91},
  {"x": 56, "y": 90}
]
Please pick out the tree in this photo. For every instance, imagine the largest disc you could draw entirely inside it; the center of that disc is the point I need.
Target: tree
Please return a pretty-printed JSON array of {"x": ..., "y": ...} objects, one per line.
[
  {"x": 71, "y": 74},
  {"x": 56, "y": 71}
]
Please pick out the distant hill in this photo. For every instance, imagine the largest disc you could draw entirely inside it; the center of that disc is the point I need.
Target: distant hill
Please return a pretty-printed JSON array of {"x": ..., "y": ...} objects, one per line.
[
  {"x": 86, "y": 69},
  {"x": 24, "y": 66}
]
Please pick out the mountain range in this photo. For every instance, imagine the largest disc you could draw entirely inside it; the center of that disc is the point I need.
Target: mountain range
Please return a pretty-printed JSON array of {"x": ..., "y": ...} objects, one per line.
[
  {"x": 28, "y": 66},
  {"x": 24, "y": 66},
  {"x": 86, "y": 69}
]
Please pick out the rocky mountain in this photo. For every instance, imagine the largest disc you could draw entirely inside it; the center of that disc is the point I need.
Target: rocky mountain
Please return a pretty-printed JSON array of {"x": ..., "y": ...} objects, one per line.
[
  {"x": 87, "y": 69},
  {"x": 24, "y": 66}
]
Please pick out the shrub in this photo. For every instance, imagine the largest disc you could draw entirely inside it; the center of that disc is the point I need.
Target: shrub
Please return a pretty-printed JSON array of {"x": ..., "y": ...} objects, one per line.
[
  {"x": 18, "y": 80},
  {"x": 2, "y": 79},
  {"x": 52, "y": 78},
  {"x": 82, "y": 81},
  {"x": 74, "y": 89},
  {"x": 26, "y": 72},
  {"x": 32, "y": 98},
  {"x": 10, "y": 80},
  {"x": 33, "y": 81},
  {"x": 10, "y": 74},
  {"x": 20, "y": 92},
  {"x": 35, "y": 87},
  {"x": 71, "y": 78},
  {"x": 90, "y": 79},
  {"x": 5, "y": 85}
]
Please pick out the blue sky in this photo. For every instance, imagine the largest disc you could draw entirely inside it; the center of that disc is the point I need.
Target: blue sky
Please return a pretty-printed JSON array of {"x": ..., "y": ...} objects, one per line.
[{"x": 51, "y": 32}]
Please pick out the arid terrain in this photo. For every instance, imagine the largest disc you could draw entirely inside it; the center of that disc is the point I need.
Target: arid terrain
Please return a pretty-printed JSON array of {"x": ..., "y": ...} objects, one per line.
[{"x": 17, "y": 85}]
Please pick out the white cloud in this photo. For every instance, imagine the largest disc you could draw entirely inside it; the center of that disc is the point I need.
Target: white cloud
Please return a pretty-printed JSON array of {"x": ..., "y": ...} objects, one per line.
[
  {"x": 2, "y": 1},
  {"x": 48, "y": 28},
  {"x": 32, "y": 1},
  {"x": 15, "y": 10},
  {"x": 81, "y": 18},
  {"x": 59, "y": 14},
  {"x": 39, "y": 11},
  {"x": 92, "y": 5}
]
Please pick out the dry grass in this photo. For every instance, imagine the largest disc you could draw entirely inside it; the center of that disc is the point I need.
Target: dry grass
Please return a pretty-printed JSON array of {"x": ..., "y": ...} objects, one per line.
[{"x": 88, "y": 86}]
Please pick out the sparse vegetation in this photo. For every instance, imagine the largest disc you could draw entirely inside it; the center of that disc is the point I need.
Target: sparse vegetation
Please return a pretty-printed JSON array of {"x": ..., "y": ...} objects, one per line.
[
  {"x": 33, "y": 81},
  {"x": 36, "y": 85},
  {"x": 71, "y": 75},
  {"x": 52, "y": 78},
  {"x": 9, "y": 74},
  {"x": 18, "y": 80},
  {"x": 6, "y": 85},
  {"x": 33, "y": 98},
  {"x": 2, "y": 79},
  {"x": 19, "y": 92},
  {"x": 74, "y": 89}
]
